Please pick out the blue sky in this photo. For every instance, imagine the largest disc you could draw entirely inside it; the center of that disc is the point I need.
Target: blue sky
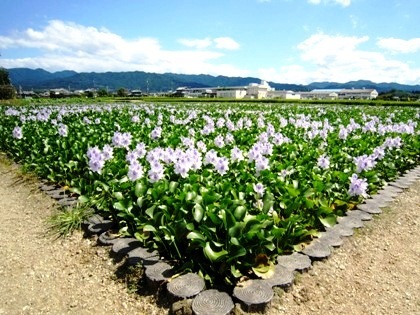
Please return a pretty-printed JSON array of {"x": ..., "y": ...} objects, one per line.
[{"x": 285, "y": 41}]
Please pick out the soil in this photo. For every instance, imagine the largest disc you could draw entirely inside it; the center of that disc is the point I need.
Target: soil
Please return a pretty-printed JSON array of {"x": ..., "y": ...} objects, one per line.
[{"x": 374, "y": 272}]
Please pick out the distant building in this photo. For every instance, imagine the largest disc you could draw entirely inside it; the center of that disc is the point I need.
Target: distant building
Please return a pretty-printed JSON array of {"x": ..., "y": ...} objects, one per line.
[
  {"x": 264, "y": 91},
  {"x": 333, "y": 94},
  {"x": 366, "y": 94},
  {"x": 283, "y": 94}
]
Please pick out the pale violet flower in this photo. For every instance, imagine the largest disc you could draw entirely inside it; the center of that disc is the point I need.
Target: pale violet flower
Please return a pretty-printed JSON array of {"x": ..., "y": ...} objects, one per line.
[
  {"x": 121, "y": 140},
  {"x": 156, "y": 133},
  {"x": 259, "y": 189},
  {"x": 17, "y": 132},
  {"x": 222, "y": 165},
  {"x": 236, "y": 155},
  {"x": 62, "y": 130},
  {"x": 219, "y": 141},
  {"x": 107, "y": 152},
  {"x": 323, "y": 162},
  {"x": 135, "y": 171},
  {"x": 358, "y": 186},
  {"x": 364, "y": 163}
]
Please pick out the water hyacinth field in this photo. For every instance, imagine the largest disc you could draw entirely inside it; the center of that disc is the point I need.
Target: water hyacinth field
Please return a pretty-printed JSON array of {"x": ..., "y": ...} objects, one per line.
[{"x": 218, "y": 189}]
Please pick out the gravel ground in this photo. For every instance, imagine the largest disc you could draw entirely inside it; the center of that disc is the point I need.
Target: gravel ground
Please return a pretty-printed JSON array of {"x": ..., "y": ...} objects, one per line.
[{"x": 374, "y": 272}]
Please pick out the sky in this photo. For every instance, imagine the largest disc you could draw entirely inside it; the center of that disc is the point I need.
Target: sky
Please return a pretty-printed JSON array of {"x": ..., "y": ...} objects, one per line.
[{"x": 283, "y": 41}]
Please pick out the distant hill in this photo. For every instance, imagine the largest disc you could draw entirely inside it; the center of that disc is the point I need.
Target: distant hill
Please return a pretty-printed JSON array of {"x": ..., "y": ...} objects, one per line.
[{"x": 39, "y": 79}]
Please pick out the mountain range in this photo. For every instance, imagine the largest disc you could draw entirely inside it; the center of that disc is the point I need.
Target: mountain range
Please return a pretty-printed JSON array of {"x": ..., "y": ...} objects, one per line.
[{"x": 40, "y": 79}]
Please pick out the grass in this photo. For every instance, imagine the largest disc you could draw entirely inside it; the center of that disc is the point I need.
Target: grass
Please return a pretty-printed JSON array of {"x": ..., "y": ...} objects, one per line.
[{"x": 64, "y": 223}]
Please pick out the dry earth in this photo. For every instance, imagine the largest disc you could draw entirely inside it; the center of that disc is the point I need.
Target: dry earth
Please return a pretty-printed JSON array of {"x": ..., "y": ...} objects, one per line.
[{"x": 375, "y": 272}]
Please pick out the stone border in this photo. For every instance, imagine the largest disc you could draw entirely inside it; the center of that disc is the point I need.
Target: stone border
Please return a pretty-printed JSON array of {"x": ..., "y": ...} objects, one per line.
[{"x": 253, "y": 295}]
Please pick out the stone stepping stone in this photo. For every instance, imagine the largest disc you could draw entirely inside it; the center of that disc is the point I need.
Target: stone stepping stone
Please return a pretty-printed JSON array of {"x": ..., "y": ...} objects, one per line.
[
  {"x": 142, "y": 255},
  {"x": 317, "y": 250},
  {"x": 186, "y": 286},
  {"x": 124, "y": 245},
  {"x": 380, "y": 203},
  {"x": 46, "y": 187},
  {"x": 55, "y": 192},
  {"x": 295, "y": 261},
  {"x": 393, "y": 189},
  {"x": 382, "y": 198},
  {"x": 282, "y": 277},
  {"x": 341, "y": 229},
  {"x": 331, "y": 238},
  {"x": 369, "y": 208},
  {"x": 362, "y": 215},
  {"x": 350, "y": 221},
  {"x": 409, "y": 177},
  {"x": 68, "y": 202},
  {"x": 58, "y": 197},
  {"x": 400, "y": 183},
  {"x": 254, "y": 295},
  {"x": 388, "y": 192},
  {"x": 99, "y": 228},
  {"x": 107, "y": 238},
  {"x": 160, "y": 271},
  {"x": 212, "y": 302},
  {"x": 96, "y": 218}
]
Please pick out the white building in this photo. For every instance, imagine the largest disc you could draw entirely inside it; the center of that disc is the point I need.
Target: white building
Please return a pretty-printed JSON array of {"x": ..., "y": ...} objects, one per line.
[
  {"x": 365, "y": 94},
  {"x": 333, "y": 94},
  {"x": 284, "y": 94}
]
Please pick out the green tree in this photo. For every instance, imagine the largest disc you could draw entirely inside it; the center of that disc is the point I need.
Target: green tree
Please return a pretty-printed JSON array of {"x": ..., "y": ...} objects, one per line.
[
  {"x": 4, "y": 77},
  {"x": 7, "y": 91},
  {"x": 121, "y": 92},
  {"x": 102, "y": 92}
]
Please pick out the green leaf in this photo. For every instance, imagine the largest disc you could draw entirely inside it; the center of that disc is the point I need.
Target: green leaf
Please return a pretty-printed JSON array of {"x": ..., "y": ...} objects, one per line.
[
  {"x": 198, "y": 212},
  {"x": 173, "y": 186},
  {"x": 328, "y": 221},
  {"x": 118, "y": 195},
  {"x": 150, "y": 211},
  {"x": 195, "y": 235},
  {"x": 239, "y": 212},
  {"x": 140, "y": 189},
  {"x": 149, "y": 228},
  {"x": 83, "y": 199},
  {"x": 213, "y": 255},
  {"x": 119, "y": 206}
]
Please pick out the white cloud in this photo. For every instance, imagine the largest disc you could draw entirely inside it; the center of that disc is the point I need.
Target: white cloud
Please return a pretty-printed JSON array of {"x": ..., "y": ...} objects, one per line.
[
  {"x": 219, "y": 43},
  {"x": 65, "y": 45},
  {"x": 226, "y": 43},
  {"x": 397, "y": 45},
  {"x": 339, "y": 58},
  {"x": 196, "y": 43},
  {"x": 344, "y": 3}
]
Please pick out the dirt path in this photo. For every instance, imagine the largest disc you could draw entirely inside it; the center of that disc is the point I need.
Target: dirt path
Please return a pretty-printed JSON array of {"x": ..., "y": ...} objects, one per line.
[{"x": 375, "y": 272}]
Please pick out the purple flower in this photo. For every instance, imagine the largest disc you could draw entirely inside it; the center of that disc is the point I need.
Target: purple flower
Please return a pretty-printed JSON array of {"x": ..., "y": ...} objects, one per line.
[
  {"x": 121, "y": 140},
  {"x": 259, "y": 189},
  {"x": 323, "y": 162},
  {"x": 358, "y": 186},
  {"x": 131, "y": 156},
  {"x": 156, "y": 172},
  {"x": 156, "y": 133},
  {"x": 96, "y": 159},
  {"x": 135, "y": 119},
  {"x": 210, "y": 157},
  {"x": 236, "y": 155},
  {"x": 222, "y": 165},
  {"x": 17, "y": 133},
  {"x": 62, "y": 130},
  {"x": 219, "y": 142},
  {"x": 364, "y": 163},
  {"x": 140, "y": 150},
  {"x": 261, "y": 164},
  {"x": 135, "y": 171},
  {"x": 107, "y": 152}
]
